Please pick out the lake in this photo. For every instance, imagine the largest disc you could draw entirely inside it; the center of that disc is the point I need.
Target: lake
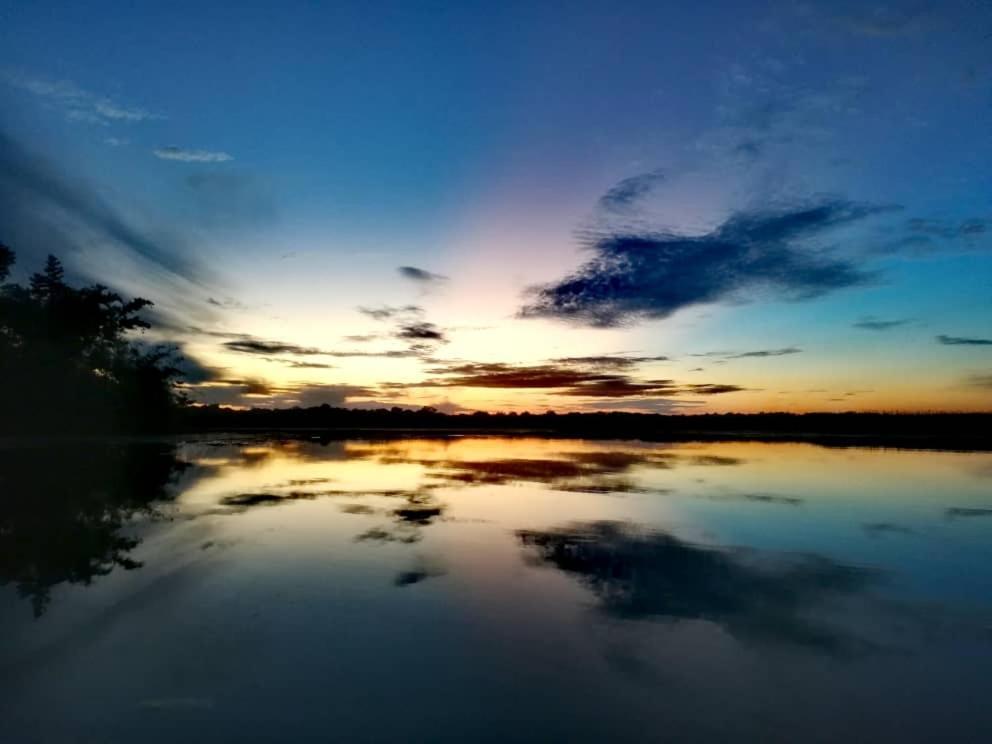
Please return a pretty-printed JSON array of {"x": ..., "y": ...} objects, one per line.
[{"x": 246, "y": 588}]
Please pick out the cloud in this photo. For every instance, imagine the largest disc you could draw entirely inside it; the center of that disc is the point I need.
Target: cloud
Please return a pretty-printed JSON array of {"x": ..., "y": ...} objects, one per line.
[
  {"x": 40, "y": 204},
  {"x": 874, "y": 324},
  {"x": 652, "y": 275},
  {"x": 766, "y": 353},
  {"x": 76, "y": 103},
  {"x": 116, "y": 141},
  {"x": 980, "y": 381},
  {"x": 295, "y": 364},
  {"x": 254, "y": 392},
  {"x": 757, "y": 354},
  {"x": 247, "y": 344},
  {"x": 191, "y": 156},
  {"x": 956, "y": 512},
  {"x": 608, "y": 361},
  {"x": 924, "y": 236},
  {"x": 963, "y": 341},
  {"x": 332, "y": 395},
  {"x": 564, "y": 380},
  {"x": 388, "y": 312},
  {"x": 258, "y": 346},
  {"x": 628, "y": 191},
  {"x": 420, "y": 331},
  {"x": 421, "y": 275},
  {"x": 193, "y": 371}
]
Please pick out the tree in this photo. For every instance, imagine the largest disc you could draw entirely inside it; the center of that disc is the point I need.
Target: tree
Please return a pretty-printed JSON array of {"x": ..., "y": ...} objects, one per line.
[
  {"x": 6, "y": 261},
  {"x": 70, "y": 358}
]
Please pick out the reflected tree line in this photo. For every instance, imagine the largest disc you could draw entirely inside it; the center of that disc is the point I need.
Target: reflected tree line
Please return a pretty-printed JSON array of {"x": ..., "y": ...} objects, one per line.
[
  {"x": 65, "y": 510},
  {"x": 69, "y": 361}
]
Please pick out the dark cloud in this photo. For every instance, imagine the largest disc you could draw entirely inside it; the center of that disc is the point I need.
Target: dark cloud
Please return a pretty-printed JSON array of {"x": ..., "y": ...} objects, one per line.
[
  {"x": 193, "y": 371},
  {"x": 254, "y": 392},
  {"x": 248, "y": 344},
  {"x": 652, "y": 275},
  {"x": 949, "y": 229},
  {"x": 230, "y": 392},
  {"x": 963, "y": 341},
  {"x": 877, "y": 529},
  {"x": 628, "y": 191},
  {"x": 967, "y": 511},
  {"x": 757, "y": 354},
  {"x": 421, "y": 275},
  {"x": 654, "y": 575},
  {"x": 766, "y": 353},
  {"x": 39, "y": 205},
  {"x": 388, "y": 312},
  {"x": 608, "y": 361},
  {"x": 926, "y": 236},
  {"x": 295, "y": 364},
  {"x": 420, "y": 331},
  {"x": 875, "y": 324},
  {"x": 332, "y": 395},
  {"x": 564, "y": 379},
  {"x": 258, "y": 346}
]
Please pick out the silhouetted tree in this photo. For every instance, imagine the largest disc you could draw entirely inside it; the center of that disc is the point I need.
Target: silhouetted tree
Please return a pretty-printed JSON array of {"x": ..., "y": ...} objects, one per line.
[{"x": 69, "y": 359}]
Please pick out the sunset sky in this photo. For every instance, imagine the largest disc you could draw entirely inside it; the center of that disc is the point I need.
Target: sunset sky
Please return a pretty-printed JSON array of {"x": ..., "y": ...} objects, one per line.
[{"x": 686, "y": 207}]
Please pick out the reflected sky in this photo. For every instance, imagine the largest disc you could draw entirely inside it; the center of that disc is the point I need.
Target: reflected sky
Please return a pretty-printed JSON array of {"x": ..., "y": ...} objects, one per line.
[{"x": 398, "y": 588}]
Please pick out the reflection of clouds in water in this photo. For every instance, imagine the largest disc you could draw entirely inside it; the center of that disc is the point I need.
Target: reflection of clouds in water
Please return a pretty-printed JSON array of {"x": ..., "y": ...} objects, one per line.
[
  {"x": 959, "y": 512},
  {"x": 637, "y": 574}
]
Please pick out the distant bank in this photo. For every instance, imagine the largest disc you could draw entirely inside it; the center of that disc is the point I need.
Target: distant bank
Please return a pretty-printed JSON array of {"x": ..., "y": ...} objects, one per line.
[{"x": 970, "y": 431}]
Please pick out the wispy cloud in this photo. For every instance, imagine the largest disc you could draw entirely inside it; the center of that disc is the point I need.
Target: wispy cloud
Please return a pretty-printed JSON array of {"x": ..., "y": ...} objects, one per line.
[
  {"x": 388, "y": 312},
  {"x": 77, "y": 104},
  {"x": 963, "y": 341},
  {"x": 421, "y": 275},
  {"x": 629, "y": 191},
  {"x": 766, "y": 353},
  {"x": 980, "y": 381},
  {"x": 610, "y": 361},
  {"x": 652, "y": 275},
  {"x": 870, "y": 323},
  {"x": 37, "y": 198},
  {"x": 258, "y": 346},
  {"x": 756, "y": 354},
  {"x": 191, "y": 156}
]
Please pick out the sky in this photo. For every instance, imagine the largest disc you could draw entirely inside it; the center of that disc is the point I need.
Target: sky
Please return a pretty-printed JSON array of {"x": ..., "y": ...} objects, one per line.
[{"x": 659, "y": 207}]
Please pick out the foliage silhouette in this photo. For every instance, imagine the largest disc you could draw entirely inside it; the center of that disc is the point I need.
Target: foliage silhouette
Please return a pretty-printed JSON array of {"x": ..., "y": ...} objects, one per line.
[{"x": 70, "y": 362}]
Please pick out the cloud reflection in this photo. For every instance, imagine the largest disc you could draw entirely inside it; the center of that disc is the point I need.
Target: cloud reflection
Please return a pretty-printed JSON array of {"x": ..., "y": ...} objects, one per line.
[{"x": 636, "y": 574}]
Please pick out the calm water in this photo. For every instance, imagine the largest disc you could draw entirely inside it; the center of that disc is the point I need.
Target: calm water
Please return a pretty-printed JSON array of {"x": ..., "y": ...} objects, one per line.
[{"x": 243, "y": 589}]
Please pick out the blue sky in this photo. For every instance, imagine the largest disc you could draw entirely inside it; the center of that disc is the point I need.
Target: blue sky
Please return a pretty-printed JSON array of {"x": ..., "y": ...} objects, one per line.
[{"x": 262, "y": 170}]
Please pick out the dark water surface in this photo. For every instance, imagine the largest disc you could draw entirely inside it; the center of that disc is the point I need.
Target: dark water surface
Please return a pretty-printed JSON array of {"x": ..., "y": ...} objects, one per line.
[{"x": 491, "y": 589}]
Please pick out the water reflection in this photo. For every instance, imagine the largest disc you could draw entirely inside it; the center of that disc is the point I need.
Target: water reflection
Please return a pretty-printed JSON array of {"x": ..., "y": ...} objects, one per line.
[
  {"x": 64, "y": 510},
  {"x": 608, "y": 589},
  {"x": 638, "y": 574}
]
